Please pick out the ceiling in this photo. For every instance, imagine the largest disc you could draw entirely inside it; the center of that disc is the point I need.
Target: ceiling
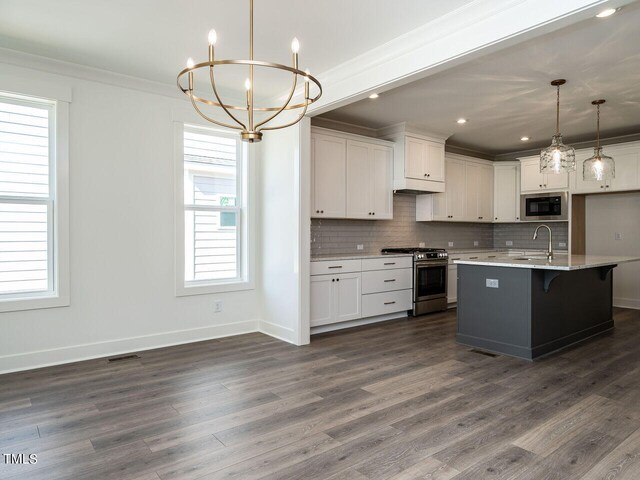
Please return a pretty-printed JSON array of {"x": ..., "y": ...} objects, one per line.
[
  {"x": 506, "y": 95},
  {"x": 152, "y": 39}
]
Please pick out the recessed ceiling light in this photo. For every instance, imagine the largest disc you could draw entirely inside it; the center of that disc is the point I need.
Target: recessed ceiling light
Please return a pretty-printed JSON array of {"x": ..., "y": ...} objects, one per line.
[
  {"x": 373, "y": 96},
  {"x": 606, "y": 13},
  {"x": 524, "y": 139},
  {"x": 461, "y": 121}
]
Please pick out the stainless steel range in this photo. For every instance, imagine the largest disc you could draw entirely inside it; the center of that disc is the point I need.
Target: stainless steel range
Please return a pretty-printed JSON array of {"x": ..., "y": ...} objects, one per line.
[{"x": 429, "y": 278}]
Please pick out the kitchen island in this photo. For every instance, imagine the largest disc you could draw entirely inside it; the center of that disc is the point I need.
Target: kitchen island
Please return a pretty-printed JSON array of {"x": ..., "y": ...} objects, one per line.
[{"x": 531, "y": 306}]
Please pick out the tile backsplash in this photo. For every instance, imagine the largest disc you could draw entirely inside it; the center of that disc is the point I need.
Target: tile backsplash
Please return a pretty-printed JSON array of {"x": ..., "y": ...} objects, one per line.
[
  {"x": 521, "y": 234},
  {"x": 337, "y": 237}
]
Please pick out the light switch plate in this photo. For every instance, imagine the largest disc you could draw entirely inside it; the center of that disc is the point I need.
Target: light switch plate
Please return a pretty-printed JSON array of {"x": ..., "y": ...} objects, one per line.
[
  {"x": 618, "y": 236},
  {"x": 476, "y": 243},
  {"x": 360, "y": 247},
  {"x": 509, "y": 243},
  {"x": 451, "y": 244},
  {"x": 421, "y": 245},
  {"x": 562, "y": 244},
  {"x": 493, "y": 283}
]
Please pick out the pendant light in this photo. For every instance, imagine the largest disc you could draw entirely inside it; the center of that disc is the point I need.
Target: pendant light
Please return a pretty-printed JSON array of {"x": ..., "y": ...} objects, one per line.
[
  {"x": 558, "y": 157},
  {"x": 599, "y": 167}
]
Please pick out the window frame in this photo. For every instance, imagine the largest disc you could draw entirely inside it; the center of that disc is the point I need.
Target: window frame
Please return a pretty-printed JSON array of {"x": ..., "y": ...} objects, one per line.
[
  {"x": 244, "y": 280},
  {"x": 57, "y": 295}
]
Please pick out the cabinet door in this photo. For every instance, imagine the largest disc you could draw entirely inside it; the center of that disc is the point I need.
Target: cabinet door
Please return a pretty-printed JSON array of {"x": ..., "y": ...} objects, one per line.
[
  {"x": 455, "y": 189},
  {"x": 440, "y": 206},
  {"x": 415, "y": 158},
  {"x": 556, "y": 181},
  {"x": 359, "y": 180},
  {"x": 530, "y": 177},
  {"x": 452, "y": 284},
  {"x": 328, "y": 169},
  {"x": 322, "y": 301},
  {"x": 381, "y": 171},
  {"x": 627, "y": 173},
  {"x": 506, "y": 201},
  {"x": 348, "y": 293},
  {"x": 472, "y": 192},
  {"x": 434, "y": 165},
  {"x": 485, "y": 196}
]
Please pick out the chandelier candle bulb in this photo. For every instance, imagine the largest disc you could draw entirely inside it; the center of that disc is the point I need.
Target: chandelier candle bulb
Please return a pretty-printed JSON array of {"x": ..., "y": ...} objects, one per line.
[{"x": 213, "y": 37}]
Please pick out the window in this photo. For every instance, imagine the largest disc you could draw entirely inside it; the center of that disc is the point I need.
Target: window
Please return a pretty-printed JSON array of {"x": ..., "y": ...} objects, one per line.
[
  {"x": 29, "y": 213},
  {"x": 212, "y": 210}
]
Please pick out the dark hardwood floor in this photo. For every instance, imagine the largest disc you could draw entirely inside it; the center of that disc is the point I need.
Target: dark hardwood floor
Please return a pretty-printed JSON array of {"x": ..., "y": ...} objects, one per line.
[{"x": 398, "y": 400}]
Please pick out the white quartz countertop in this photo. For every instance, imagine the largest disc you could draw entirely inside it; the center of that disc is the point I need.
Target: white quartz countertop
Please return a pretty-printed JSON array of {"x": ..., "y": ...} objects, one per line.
[
  {"x": 560, "y": 262},
  {"x": 333, "y": 258}
]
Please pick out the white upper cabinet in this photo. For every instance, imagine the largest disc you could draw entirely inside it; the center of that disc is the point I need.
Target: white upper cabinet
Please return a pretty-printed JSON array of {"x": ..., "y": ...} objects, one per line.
[
  {"x": 506, "y": 193},
  {"x": 352, "y": 176},
  {"x": 468, "y": 195},
  {"x": 531, "y": 180},
  {"x": 328, "y": 171},
  {"x": 418, "y": 158},
  {"x": 627, "y": 175},
  {"x": 424, "y": 159}
]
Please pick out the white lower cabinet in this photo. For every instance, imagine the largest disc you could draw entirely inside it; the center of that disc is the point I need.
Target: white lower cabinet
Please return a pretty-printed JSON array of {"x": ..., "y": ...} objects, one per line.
[
  {"x": 335, "y": 298},
  {"x": 372, "y": 287},
  {"x": 386, "y": 302}
]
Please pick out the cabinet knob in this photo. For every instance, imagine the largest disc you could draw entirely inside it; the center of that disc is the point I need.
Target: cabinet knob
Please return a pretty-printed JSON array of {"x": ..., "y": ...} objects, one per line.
[
  {"x": 373, "y": 213},
  {"x": 428, "y": 175},
  {"x": 480, "y": 218},
  {"x": 496, "y": 218},
  {"x": 601, "y": 186},
  {"x": 321, "y": 211},
  {"x": 337, "y": 279},
  {"x": 517, "y": 218},
  {"x": 425, "y": 174},
  {"x": 540, "y": 185},
  {"x": 333, "y": 279},
  {"x": 317, "y": 211},
  {"x": 545, "y": 185}
]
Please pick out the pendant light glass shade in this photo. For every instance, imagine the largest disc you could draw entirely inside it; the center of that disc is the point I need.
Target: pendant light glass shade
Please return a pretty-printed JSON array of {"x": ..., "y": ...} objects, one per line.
[
  {"x": 558, "y": 157},
  {"x": 599, "y": 167}
]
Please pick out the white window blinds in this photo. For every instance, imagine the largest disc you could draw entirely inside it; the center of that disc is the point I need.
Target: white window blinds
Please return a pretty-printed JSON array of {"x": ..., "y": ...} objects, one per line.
[{"x": 26, "y": 200}]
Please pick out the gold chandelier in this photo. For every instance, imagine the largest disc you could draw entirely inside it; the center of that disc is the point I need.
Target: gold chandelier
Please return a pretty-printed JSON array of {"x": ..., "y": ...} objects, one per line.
[{"x": 250, "y": 128}]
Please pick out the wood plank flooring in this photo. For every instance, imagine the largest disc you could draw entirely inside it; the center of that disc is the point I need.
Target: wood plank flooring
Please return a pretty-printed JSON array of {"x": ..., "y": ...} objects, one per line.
[{"x": 398, "y": 401}]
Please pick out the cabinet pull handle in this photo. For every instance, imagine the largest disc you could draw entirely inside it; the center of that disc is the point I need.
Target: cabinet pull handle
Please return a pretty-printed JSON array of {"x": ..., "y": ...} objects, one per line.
[
  {"x": 390, "y": 263},
  {"x": 390, "y": 280},
  {"x": 480, "y": 218},
  {"x": 492, "y": 256},
  {"x": 389, "y": 303},
  {"x": 337, "y": 266},
  {"x": 456, "y": 258},
  {"x": 473, "y": 258}
]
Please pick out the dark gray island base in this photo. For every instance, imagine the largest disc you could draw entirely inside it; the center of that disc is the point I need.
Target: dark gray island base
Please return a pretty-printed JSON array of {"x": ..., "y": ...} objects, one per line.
[{"x": 532, "y": 312}]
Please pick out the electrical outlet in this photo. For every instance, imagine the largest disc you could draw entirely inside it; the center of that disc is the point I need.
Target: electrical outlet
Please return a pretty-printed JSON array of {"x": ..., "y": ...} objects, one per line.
[
  {"x": 217, "y": 306},
  {"x": 618, "y": 236},
  {"x": 360, "y": 247},
  {"x": 493, "y": 283},
  {"x": 562, "y": 244},
  {"x": 451, "y": 244},
  {"x": 509, "y": 243},
  {"x": 476, "y": 243},
  {"x": 421, "y": 245}
]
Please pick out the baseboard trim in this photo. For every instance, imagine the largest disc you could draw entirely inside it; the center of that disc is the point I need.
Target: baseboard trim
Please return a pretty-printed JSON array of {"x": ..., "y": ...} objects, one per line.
[
  {"x": 633, "y": 303},
  {"x": 89, "y": 351},
  {"x": 285, "y": 334}
]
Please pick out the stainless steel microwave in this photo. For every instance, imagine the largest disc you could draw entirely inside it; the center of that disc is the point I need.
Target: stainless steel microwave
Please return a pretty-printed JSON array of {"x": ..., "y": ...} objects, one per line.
[{"x": 544, "y": 206}]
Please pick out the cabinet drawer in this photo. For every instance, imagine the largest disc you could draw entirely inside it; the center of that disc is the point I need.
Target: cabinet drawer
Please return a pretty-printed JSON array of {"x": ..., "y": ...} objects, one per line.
[
  {"x": 386, "y": 263},
  {"x": 388, "y": 302},
  {"x": 377, "y": 281},
  {"x": 335, "y": 267}
]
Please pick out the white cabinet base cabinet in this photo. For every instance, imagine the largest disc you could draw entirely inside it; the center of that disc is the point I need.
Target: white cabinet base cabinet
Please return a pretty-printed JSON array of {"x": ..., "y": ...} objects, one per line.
[
  {"x": 335, "y": 298},
  {"x": 345, "y": 292}
]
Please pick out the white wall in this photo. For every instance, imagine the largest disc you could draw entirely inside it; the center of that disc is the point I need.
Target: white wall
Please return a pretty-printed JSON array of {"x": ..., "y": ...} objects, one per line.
[
  {"x": 284, "y": 225},
  {"x": 121, "y": 236},
  {"x": 607, "y": 215}
]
